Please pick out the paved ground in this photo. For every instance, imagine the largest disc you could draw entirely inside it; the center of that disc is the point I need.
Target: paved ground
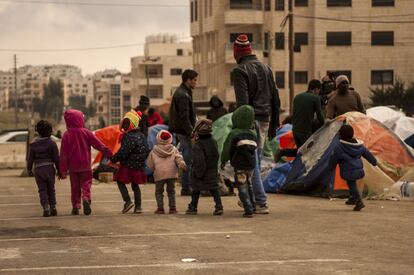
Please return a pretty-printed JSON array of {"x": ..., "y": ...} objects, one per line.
[{"x": 301, "y": 236}]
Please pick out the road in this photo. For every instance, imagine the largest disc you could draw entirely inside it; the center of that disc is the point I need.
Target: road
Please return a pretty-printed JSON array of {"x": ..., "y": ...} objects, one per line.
[{"x": 302, "y": 235}]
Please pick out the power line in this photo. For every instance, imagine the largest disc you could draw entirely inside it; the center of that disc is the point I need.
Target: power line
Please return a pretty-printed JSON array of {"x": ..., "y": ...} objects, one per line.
[
  {"x": 77, "y": 3},
  {"x": 353, "y": 20}
]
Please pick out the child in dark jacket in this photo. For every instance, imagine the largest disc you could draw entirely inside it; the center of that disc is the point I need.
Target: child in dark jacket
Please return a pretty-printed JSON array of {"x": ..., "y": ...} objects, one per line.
[
  {"x": 239, "y": 148},
  {"x": 132, "y": 156},
  {"x": 204, "y": 169},
  {"x": 348, "y": 156},
  {"x": 44, "y": 154}
]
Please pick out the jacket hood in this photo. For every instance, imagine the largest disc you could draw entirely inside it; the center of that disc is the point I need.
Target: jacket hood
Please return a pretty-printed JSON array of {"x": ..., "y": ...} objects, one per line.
[
  {"x": 215, "y": 102},
  {"x": 74, "y": 119},
  {"x": 243, "y": 118},
  {"x": 352, "y": 149}
]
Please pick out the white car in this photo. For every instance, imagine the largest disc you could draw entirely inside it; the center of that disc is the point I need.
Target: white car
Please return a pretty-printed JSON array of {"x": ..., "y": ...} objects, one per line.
[{"x": 18, "y": 136}]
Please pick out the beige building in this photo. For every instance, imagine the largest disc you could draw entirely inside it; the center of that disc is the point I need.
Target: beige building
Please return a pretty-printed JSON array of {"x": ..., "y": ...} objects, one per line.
[
  {"x": 33, "y": 88},
  {"x": 4, "y": 99},
  {"x": 78, "y": 86},
  {"x": 158, "y": 72},
  {"x": 371, "y": 54}
]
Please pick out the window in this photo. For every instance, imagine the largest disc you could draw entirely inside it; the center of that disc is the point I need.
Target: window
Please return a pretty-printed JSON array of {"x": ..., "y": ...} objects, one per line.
[
  {"x": 382, "y": 38},
  {"x": 176, "y": 71},
  {"x": 18, "y": 138},
  {"x": 339, "y": 3},
  {"x": 339, "y": 38},
  {"x": 116, "y": 112},
  {"x": 126, "y": 81},
  {"x": 241, "y": 4},
  {"x": 192, "y": 11},
  {"x": 280, "y": 41},
  {"x": 267, "y": 5},
  {"x": 280, "y": 5},
  {"x": 233, "y": 36},
  {"x": 211, "y": 8},
  {"x": 301, "y": 3},
  {"x": 383, "y": 3},
  {"x": 280, "y": 79},
  {"x": 301, "y": 77},
  {"x": 126, "y": 100},
  {"x": 266, "y": 41},
  {"x": 180, "y": 52},
  {"x": 301, "y": 38},
  {"x": 337, "y": 73},
  {"x": 195, "y": 10},
  {"x": 382, "y": 77},
  {"x": 115, "y": 102},
  {"x": 153, "y": 72},
  {"x": 155, "y": 93},
  {"x": 115, "y": 90}
]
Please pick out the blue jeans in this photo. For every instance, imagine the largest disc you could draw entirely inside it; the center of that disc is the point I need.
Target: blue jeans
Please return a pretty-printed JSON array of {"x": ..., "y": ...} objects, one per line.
[
  {"x": 353, "y": 190},
  {"x": 257, "y": 184},
  {"x": 242, "y": 180},
  {"x": 185, "y": 149}
]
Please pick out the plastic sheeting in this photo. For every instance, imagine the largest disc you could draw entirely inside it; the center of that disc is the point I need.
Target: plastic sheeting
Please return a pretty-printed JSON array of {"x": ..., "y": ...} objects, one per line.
[{"x": 276, "y": 178}]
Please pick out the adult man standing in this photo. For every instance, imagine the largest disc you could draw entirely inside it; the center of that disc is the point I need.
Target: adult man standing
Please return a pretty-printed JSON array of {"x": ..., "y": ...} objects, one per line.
[
  {"x": 182, "y": 120},
  {"x": 305, "y": 106},
  {"x": 343, "y": 99},
  {"x": 254, "y": 85}
]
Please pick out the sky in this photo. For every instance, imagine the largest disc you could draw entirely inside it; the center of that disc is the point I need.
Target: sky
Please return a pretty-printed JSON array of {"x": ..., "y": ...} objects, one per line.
[{"x": 33, "y": 25}]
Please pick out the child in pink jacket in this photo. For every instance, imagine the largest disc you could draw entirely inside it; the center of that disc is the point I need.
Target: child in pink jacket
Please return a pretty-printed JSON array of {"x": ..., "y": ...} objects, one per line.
[{"x": 75, "y": 158}]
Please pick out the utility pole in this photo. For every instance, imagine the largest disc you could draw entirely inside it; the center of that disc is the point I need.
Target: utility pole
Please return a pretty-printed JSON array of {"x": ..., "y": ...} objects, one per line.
[
  {"x": 291, "y": 58},
  {"x": 16, "y": 118}
]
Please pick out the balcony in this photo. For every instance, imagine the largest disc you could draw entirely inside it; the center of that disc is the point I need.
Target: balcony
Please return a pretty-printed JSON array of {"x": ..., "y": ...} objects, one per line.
[
  {"x": 243, "y": 12},
  {"x": 152, "y": 81}
]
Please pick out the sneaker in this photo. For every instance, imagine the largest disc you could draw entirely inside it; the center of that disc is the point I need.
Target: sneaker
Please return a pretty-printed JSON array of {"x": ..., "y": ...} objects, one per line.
[
  {"x": 87, "y": 207},
  {"x": 359, "y": 205},
  {"x": 186, "y": 192},
  {"x": 53, "y": 211},
  {"x": 159, "y": 211},
  {"x": 350, "y": 201},
  {"x": 75, "y": 211},
  {"x": 191, "y": 211},
  {"x": 218, "y": 212},
  {"x": 127, "y": 206},
  {"x": 137, "y": 210},
  {"x": 46, "y": 212},
  {"x": 262, "y": 209},
  {"x": 173, "y": 211},
  {"x": 247, "y": 215}
]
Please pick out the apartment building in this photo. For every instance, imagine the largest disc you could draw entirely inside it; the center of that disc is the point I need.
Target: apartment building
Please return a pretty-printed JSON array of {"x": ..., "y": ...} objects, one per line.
[
  {"x": 53, "y": 71},
  {"x": 356, "y": 43},
  {"x": 78, "y": 86},
  {"x": 4, "y": 99},
  {"x": 158, "y": 72}
]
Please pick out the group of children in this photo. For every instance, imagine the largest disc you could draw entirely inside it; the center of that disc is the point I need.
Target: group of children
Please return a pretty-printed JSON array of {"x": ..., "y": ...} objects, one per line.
[{"x": 165, "y": 161}]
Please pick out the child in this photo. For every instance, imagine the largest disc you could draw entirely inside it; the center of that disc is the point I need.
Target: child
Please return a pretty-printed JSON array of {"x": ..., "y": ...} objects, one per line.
[
  {"x": 239, "y": 148},
  {"x": 164, "y": 160},
  {"x": 44, "y": 154},
  {"x": 204, "y": 170},
  {"x": 132, "y": 156},
  {"x": 75, "y": 158},
  {"x": 348, "y": 155}
]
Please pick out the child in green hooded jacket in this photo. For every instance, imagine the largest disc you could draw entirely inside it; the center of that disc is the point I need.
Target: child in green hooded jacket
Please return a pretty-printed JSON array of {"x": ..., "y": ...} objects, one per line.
[{"x": 239, "y": 148}]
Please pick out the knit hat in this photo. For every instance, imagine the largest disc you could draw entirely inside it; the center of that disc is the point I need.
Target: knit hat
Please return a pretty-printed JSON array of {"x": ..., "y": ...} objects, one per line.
[
  {"x": 241, "y": 46},
  {"x": 341, "y": 78},
  {"x": 202, "y": 127},
  {"x": 144, "y": 101},
  {"x": 134, "y": 119},
  {"x": 164, "y": 137}
]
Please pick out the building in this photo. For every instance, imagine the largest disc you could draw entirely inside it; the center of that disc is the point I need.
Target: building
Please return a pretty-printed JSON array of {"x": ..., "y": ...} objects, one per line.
[
  {"x": 33, "y": 88},
  {"x": 53, "y": 71},
  {"x": 158, "y": 72},
  {"x": 4, "y": 99},
  {"x": 78, "y": 86},
  {"x": 371, "y": 54}
]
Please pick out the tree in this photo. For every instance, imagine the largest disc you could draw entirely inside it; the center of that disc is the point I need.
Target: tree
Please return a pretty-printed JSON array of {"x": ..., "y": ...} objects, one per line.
[
  {"x": 79, "y": 102},
  {"x": 51, "y": 105},
  {"x": 397, "y": 95}
]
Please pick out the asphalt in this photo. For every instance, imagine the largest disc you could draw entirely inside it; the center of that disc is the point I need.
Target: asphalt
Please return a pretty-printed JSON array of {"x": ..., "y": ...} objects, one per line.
[{"x": 301, "y": 235}]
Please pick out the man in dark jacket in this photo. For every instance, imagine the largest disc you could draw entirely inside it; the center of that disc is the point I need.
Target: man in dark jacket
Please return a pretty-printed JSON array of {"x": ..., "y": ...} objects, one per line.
[
  {"x": 254, "y": 85},
  {"x": 182, "y": 119},
  {"x": 217, "y": 109}
]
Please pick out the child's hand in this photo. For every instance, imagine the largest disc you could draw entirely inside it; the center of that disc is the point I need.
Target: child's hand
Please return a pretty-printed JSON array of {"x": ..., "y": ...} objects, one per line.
[
  {"x": 183, "y": 167},
  {"x": 30, "y": 173}
]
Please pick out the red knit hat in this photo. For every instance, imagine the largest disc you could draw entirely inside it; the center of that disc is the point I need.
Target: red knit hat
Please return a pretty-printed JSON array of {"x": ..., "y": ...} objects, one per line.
[
  {"x": 165, "y": 135},
  {"x": 242, "y": 46}
]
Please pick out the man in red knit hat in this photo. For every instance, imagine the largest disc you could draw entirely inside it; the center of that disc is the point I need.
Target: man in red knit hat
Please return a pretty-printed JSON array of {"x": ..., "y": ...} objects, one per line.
[{"x": 254, "y": 85}]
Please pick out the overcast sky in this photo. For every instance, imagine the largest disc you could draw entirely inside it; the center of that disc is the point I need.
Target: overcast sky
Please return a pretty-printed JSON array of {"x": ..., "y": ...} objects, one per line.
[{"x": 48, "y": 26}]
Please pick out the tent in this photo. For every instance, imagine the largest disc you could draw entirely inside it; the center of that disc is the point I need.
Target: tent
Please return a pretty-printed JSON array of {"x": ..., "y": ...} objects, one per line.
[{"x": 310, "y": 173}]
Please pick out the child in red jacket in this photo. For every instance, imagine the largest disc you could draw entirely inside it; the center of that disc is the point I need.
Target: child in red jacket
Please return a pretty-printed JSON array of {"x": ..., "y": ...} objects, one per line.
[{"x": 75, "y": 158}]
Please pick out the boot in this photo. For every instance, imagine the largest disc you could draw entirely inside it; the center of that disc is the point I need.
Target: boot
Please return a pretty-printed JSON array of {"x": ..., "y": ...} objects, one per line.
[
  {"x": 137, "y": 210},
  {"x": 359, "y": 205},
  {"x": 159, "y": 211},
  {"x": 247, "y": 215},
  {"x": 75, "y": 211},
  {"x": 127, "y": 206},
  {"x": 87, "y": 207},
  {"x": 350, "y": 201},
  {"x": 173, "y": 211},
  {"x": 46, "y": 212},
  {"x": 191, "y": 210},
  {"x": 53, "y": 210},
  {"x": 218, "y": 211}
]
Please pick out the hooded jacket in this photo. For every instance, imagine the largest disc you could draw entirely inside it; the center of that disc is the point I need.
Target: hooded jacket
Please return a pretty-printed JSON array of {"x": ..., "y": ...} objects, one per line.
[
  {"x": 75, "y": 150},
  {"x": 241, "y": 143},
  {"x": 42, "y": 152},
  {"x": 254, "y": 85},
  {"x": 348, "y": 156},
  {"x": 217, "y": 109},
  {"x": 340, "y": 104},
  {"x": 165, "y": 159}
]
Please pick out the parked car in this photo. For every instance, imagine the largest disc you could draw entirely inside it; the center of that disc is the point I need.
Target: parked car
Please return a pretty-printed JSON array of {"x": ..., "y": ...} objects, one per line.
[{"x": 17, "y": 136}]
